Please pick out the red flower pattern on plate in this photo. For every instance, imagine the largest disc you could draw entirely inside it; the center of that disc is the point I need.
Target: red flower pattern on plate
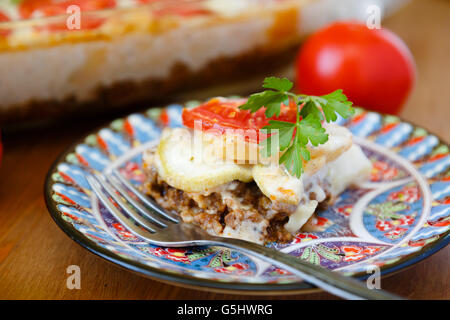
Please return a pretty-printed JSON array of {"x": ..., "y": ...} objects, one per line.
[
  {"x": 356, "y": 253},
  {"x": 132, "y": 171},
  {"x": 238, "y": 268},
  {"x": 383, "y": 225},
  {"x": 395, "y": 233},
  {"x": 303, "y": 237},
  {"x": 393, "y": 229},
  {"x": 381, "y": 171},
  {"x": 281, "y": 272},
  {"x": 318, "y": 224},
  {"x": 124, "y": 233},
  {"x": 177, "y": 255},
  {"x": 345, "y": 210},
  {"x": 409, "y": 194}
]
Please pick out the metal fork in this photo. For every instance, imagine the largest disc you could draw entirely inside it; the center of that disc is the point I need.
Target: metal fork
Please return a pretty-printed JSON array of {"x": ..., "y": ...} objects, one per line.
[{"x": 147, "y": 220}]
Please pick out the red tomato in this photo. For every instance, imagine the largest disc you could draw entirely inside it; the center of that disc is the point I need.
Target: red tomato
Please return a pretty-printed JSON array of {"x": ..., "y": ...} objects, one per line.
[
  {"x": 221, "y": 114},
  {"x": 374, "y": 68}
]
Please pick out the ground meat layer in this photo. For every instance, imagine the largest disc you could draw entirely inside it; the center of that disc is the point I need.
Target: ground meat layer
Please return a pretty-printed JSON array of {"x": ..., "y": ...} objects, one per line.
[{"x": 225, "y": 211}]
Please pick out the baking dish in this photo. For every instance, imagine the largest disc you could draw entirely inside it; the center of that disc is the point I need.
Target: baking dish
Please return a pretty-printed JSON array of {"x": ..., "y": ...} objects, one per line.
[{"x": 142, "y": 51}]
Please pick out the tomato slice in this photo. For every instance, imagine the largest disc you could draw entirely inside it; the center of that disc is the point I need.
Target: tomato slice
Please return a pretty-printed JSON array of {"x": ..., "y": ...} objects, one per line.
[
  {"x": 54, "y": 7},
  {"x": 4, "y": 18},
  {"x": 221, "y": 114},
  {"x": 86, "y": 23},
  {"x": 28, "y": 8},
  {"x": 181, "y": 9}
]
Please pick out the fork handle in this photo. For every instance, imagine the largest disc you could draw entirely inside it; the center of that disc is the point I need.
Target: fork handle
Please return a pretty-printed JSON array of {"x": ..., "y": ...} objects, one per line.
[{"x": 333, "y": 282}]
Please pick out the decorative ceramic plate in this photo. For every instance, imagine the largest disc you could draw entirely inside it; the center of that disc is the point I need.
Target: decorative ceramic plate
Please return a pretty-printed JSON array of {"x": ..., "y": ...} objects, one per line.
[{"x": 398, "y": 218}]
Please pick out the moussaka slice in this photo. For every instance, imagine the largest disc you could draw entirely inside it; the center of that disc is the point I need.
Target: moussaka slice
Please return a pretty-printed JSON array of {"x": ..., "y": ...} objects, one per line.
[{"x": 193, "y": 173}]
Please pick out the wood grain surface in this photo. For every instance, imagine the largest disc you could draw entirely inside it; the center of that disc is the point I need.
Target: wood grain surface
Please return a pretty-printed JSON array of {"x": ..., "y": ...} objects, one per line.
[{"x": 34, "y": 252}]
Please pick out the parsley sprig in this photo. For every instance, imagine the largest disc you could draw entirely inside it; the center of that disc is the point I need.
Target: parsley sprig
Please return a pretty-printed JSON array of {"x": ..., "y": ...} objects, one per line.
[{"x": 311, "y": 111}]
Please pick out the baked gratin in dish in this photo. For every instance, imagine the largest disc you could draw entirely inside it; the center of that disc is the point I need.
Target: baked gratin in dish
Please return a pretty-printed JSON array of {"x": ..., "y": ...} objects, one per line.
[
  {"x": 199, "y": 173},
  {"x": 131, "y": 51}
]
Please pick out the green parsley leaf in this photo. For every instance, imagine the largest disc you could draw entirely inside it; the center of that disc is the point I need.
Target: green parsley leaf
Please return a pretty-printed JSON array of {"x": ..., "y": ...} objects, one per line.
[
  {"x": 291, "y": 160},
  {"x": 293, "y": 138},
  {"x": 271, "y": 100},
  {"x": 278, "y": 84},
  {"x": 276, "y": 124},
  {"x": 337, "y": 102},
  {"x": 285, "y": 132},
  {"x": 304, "y": 152},
  {"x": 310, "y": 129},
  {"x": 311, "y": 107}
]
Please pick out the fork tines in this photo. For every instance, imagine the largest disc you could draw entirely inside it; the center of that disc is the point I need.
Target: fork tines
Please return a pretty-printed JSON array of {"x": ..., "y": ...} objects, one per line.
[{"x": 115, "y": 192}]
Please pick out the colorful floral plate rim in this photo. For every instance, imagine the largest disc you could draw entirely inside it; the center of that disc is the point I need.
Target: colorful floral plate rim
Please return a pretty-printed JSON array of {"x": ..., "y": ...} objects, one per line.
[{"x": 398, "y": 218}]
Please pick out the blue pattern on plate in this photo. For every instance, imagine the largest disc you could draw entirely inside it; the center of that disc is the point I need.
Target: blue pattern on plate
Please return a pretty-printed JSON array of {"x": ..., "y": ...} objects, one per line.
[
  {"x": 396, "y": 136},
  {"x": 346, "y": 252}
]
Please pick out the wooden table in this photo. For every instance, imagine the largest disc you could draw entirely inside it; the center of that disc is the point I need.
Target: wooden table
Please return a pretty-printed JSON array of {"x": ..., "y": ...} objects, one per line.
[{"x": 34, "y": 252}]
